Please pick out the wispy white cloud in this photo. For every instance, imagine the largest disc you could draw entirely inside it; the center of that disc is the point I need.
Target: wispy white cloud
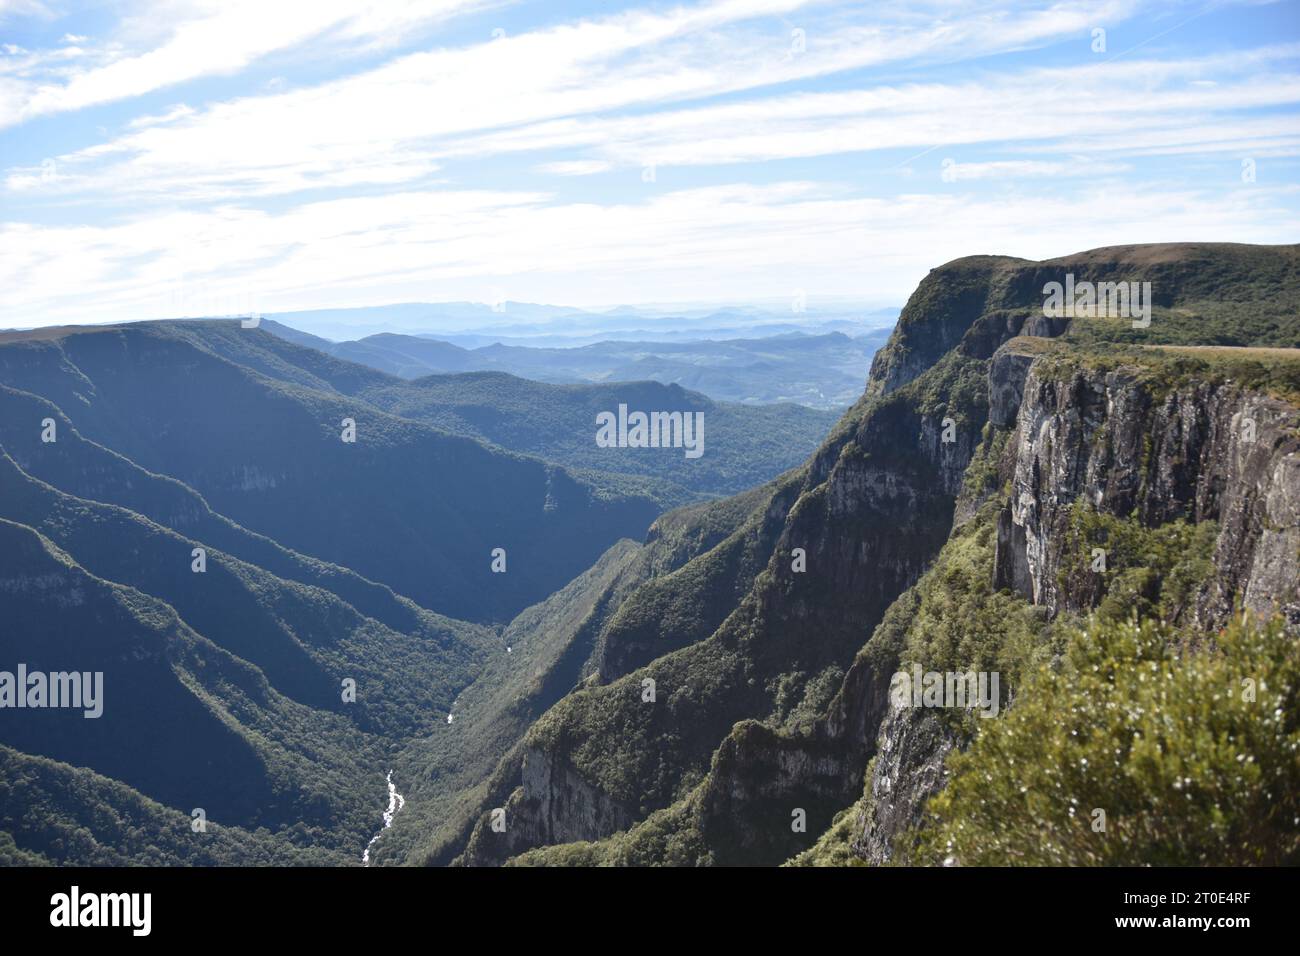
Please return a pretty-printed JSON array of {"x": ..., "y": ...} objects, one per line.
[
  {"x": 1026, "y": 106},
  {"x": 401, "y": 106},
  {"x": 685, "y": 244},
  {"x": 585, "y": 72},
  {"x": 11, "y": 8},
  {"x": 570, "y": 88},
  {"x": 210, "y": 38},
  {"x": 1025, "y": 168},
  {"x": 577, "y": 167},
  {"x": 354, "y": 190}
]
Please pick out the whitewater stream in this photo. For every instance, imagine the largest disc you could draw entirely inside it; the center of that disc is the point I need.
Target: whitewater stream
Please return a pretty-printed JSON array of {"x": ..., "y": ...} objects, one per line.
[{"x": 395, "y": 803}]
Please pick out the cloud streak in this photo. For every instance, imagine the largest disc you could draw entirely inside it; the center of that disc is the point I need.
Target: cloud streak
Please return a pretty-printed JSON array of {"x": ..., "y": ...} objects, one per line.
[
  {"x": 708, "y": 150},
  {"x": 207, "y": 39}
]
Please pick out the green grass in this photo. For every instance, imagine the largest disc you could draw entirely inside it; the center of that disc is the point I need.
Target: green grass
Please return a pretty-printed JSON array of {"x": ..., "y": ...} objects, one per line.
[{"x": 1166, "y": 368}]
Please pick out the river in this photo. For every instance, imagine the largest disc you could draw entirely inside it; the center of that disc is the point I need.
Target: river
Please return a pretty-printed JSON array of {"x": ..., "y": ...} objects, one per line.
[{"x": 395, "y": 803}]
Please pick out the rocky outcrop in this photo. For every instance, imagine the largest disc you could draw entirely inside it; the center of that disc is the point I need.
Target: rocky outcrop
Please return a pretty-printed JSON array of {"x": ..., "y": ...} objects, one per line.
[
  {"x": 761, "y": 778},
  {"x": 908, "y": 768},
  {"x": 1206, "y": 450},
  {"x": 1007, "y": 374},
  {"x": 769, "y": 794},
  {"x": 938, "y": 316},
  {"x": 552, "y": 804},
  {"x": 1202, "y": 451},
  {"x": 570, "y": 808}
]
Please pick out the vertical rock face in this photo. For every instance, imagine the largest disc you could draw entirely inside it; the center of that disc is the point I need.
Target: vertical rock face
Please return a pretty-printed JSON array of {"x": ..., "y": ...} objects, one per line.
[
  {"x": 909, "y": 767},
  {"x": 552, "y": 804},
  {"x": 570, "y": 807},
  {"x": 938, "y": 316},
  {"x": 1007, "y": 373},
  {"x": 1201, "y": 452},
  {"x": 1204, "y": 451}
]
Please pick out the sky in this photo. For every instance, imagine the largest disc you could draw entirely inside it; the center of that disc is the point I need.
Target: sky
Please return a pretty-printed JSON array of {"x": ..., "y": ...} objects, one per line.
[{"x": 216, "y": 158}]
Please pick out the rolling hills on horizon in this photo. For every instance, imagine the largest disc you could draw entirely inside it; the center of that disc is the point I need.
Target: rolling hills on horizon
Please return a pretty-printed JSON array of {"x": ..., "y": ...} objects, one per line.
[{"x": 822, "y": 370}]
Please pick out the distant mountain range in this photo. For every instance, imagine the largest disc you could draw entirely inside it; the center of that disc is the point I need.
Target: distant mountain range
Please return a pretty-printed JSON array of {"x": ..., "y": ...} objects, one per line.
[
  {"x": 823, "y": 371},
  {"x": 524, "y": 323}
]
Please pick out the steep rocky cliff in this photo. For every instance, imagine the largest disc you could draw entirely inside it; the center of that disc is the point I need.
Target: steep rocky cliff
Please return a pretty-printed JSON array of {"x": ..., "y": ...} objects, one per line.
[
  {"x": 1125, "y": 450},
  {"x": 951, "y": 520},
  {"x": 867, "y": 515},
  {"x": 1115, "y": 441}
]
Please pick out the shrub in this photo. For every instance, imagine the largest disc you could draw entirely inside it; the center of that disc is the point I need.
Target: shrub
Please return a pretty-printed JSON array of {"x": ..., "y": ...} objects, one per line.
[{"x": 1188, "y": 743}]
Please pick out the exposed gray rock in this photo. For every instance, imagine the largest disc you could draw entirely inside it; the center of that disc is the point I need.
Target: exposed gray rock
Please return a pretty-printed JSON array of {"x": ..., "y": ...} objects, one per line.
[
  {"x": 1204, "y": 451},
  {"x": 553, "y": 804},
  {"x": 1007, "y": 373},
  {"x": 908, "y": 769}
]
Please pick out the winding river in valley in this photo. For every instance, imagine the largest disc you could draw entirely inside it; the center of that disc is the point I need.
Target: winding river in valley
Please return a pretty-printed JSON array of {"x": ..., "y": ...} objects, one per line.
[{"x": 395, "y": 803}]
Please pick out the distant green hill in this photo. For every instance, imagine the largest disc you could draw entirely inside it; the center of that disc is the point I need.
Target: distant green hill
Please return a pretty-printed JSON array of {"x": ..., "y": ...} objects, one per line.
[
  {"x": 405, "y": 505},
  {"x": 743, "y": 445}
]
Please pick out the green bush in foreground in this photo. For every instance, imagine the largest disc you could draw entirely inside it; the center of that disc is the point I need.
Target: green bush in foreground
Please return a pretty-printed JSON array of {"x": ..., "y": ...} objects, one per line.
[{"x": 1191, "y": 747}]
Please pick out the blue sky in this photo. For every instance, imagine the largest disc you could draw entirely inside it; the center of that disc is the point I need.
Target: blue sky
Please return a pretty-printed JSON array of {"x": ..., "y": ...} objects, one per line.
[{"x": 188, "y": 158}]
